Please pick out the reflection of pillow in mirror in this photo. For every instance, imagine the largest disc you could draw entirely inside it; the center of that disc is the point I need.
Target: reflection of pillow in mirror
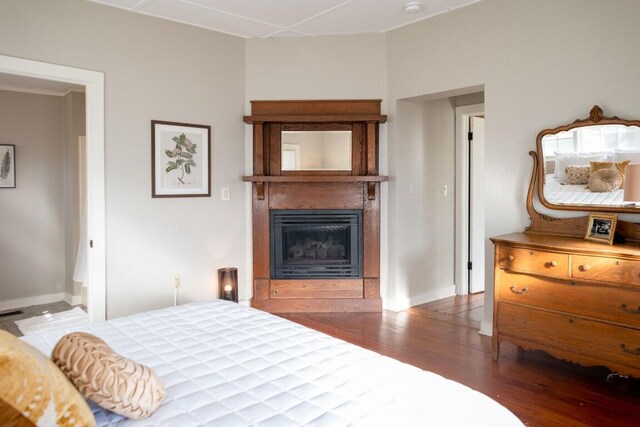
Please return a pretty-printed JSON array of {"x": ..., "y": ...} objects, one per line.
[
  {"x": 578, "y": 175},
  {"x": 620, "y": 167},
  {"x": 605, "y": 180},
  {"x": 577, "y": 159}
]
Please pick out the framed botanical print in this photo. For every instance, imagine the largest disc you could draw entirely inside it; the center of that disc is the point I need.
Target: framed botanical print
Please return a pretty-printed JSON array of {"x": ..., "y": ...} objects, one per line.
[
  {"x": 7, "y": 166},
  {"x": 180, "y": 159}
]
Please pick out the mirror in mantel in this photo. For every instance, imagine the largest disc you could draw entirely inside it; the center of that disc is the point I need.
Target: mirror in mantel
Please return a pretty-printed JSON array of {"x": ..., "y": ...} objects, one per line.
[
  {"x": 583, "y": 165},
  {"x": 323, "y": 150}
]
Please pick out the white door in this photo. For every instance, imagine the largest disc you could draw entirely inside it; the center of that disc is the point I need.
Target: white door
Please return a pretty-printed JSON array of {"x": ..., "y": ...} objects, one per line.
[{"x": 476, "y": 205}]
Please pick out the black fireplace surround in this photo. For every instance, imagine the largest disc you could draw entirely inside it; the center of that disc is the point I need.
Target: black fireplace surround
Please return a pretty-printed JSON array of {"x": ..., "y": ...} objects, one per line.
[{"x": 316, "y": 244}]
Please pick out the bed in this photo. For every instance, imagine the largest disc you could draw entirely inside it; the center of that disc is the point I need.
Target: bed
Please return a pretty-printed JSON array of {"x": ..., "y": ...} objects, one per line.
[
  {"x": 225, "y": 364},
  {"x": 563, "y": 194}
]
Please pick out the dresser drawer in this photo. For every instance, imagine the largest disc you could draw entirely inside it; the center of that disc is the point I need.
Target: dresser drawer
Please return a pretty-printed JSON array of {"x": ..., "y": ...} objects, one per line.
[
  {"x": 621, "y": 305},
  {"x": 566, "y": 333},
  {"x": 605, "y": 269},
  {"x": 532, "y": 261}
]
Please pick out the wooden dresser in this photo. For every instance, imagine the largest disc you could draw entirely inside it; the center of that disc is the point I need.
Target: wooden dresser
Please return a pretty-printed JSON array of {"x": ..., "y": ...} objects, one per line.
[{"x": 576, "y": 300}]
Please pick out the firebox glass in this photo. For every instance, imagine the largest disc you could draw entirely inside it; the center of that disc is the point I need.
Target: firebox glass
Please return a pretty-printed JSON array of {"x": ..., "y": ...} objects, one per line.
[{"x": 316, "y": 244}]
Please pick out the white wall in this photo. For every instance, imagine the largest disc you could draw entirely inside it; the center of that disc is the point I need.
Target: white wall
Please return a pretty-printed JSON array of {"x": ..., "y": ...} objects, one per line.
[
  {"x": 154, "y": 69},
  {"x": 542, "y": 64},
  {"x": 32, "y": 247}
]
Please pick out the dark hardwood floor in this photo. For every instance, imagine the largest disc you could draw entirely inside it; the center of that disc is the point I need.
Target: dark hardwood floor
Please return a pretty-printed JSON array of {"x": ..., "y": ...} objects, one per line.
[
  {"x": 465, "y": 310},
  {"x": 443, "y": 337}
]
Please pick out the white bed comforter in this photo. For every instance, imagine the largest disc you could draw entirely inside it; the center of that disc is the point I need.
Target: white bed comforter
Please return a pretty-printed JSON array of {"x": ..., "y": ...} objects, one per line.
[{"x": 224, "y": 364}]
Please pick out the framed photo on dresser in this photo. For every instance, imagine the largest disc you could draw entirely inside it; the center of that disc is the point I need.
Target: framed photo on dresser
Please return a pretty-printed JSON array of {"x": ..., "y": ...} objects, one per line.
[{"x": 601, "y": 228}]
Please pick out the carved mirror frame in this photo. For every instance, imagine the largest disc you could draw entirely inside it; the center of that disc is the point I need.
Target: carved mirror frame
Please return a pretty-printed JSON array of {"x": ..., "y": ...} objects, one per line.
[{"x": 596, "y": 118}]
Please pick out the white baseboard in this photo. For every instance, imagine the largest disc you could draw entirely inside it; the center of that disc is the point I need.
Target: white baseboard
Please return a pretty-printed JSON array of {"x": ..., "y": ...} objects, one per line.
[
  {"x": 486, "y": 328},
  {"x": 72, "y": 299},
  {"x": 12, "y": 304},
  {"x": 403, "y": 304}
]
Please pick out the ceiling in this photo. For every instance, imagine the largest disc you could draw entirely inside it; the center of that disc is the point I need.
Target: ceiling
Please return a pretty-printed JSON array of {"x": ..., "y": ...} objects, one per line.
[
  {"x": 16, "y": 83},
  {"x": 289, "y": 18}
]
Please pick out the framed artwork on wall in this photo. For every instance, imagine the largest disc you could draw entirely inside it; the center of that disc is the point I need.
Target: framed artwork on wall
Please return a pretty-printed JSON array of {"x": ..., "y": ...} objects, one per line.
[
  {"x": 7, "y": 166},
  {"x": 180, "y": 159}
]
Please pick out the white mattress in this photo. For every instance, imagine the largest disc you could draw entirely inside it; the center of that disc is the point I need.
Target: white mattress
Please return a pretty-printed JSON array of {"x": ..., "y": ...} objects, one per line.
[
  {"x": 224, "y": 364},
  {"x": 561, "y": 194}
]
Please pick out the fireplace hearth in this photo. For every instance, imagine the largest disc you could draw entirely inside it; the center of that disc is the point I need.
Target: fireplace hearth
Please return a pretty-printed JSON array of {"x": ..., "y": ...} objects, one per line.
[{"x": 316, "y": 244}]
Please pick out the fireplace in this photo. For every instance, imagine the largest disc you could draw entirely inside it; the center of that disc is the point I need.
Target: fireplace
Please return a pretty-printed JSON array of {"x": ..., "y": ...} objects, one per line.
[
  {"x": 316, "y": 205},
  {"x": 316, "y": 244}
]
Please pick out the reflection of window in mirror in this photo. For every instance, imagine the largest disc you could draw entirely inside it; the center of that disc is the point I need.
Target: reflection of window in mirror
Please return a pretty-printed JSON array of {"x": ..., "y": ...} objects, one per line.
[
  {"x": 290, "y": 157},
  {"x": 316, "y": 150},
  {"x": 590, "y": 139}
]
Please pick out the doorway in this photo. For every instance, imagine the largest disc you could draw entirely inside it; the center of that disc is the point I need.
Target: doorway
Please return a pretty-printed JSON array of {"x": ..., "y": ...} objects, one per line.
[
  {"x": 93, "y": 83},
  {"x": 470, "y": 246}
]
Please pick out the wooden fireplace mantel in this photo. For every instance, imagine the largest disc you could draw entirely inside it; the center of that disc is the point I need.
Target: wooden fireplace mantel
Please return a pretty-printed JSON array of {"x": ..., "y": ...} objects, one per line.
[
  {"x": 315, "y": 178},
  {"x": 277, "y": 189},
  {"x": 370, "y": 180}
]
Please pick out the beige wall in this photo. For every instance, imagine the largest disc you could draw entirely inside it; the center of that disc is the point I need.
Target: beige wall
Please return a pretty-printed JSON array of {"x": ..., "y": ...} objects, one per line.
[
  {"x": 32, "y": 247},
  {"x": 337, "y": 67},
  {"x": 423, "y": 238},
  {"x": 154, "y": 69},
  {"x": 542, "y": 64}
]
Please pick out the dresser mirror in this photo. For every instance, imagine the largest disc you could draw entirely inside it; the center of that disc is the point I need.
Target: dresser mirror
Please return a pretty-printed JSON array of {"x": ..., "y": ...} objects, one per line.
[
  {"x": 582, "y": 165},
  {"x": 317, "y": 150}
]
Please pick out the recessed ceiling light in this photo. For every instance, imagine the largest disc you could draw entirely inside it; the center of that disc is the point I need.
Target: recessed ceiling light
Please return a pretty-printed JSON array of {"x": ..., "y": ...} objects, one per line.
[{"x": 413, "y": 7}]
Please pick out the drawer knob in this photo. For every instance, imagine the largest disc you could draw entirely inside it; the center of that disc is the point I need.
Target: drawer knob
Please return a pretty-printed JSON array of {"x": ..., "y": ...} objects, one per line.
[
  {"x": 275, "y": 292},
  {"x": 635, "y": 352},
  {"x": 510, "y": 257},
  {"x": 585, "y": 267},
  {"x": 553, "y": 263},
  {"x": 515, "y": 290},
  {"x": 628, "y": 310}
]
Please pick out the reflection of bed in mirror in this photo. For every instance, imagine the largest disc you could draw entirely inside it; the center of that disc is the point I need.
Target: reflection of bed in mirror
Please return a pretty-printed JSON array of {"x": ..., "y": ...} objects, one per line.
[{"x": 567, "y": 194}]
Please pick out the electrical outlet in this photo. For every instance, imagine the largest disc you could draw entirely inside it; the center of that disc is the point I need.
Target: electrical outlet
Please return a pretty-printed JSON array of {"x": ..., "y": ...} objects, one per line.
[{"x": 177, "y": 281}]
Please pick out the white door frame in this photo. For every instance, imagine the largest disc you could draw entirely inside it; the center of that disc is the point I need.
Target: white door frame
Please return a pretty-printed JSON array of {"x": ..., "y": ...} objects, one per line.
[
  {"x": 462, "y": 196},
  {"x": 93, "y": 81}
]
